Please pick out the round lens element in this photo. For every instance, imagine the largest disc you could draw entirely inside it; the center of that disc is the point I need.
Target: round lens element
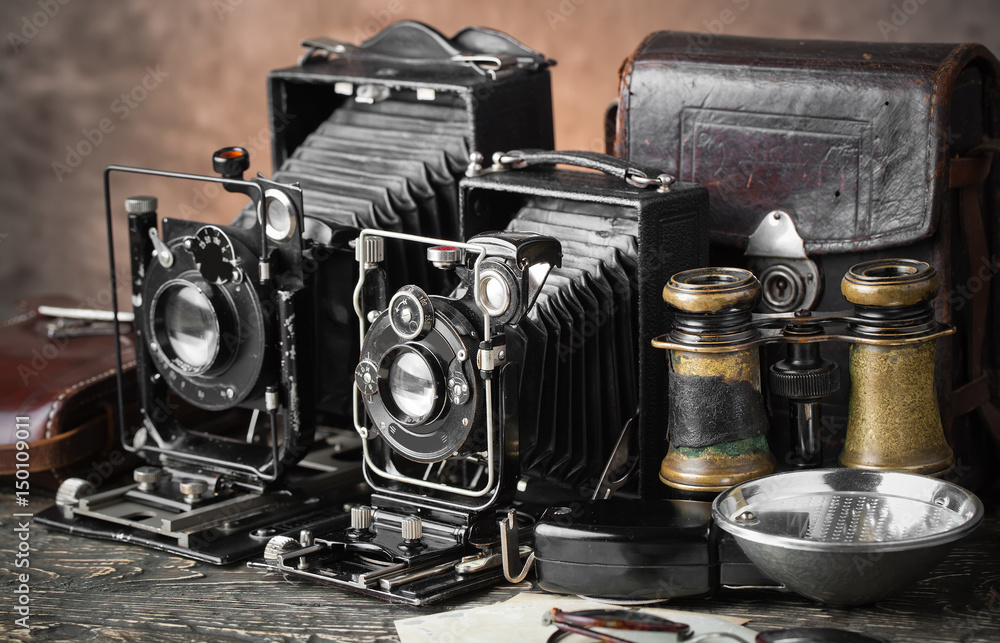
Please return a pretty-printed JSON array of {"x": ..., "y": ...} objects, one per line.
[
  {"x": 189, "y": 326},
  {"x": 411, "y": 385},
  {"x": 279, "y": 213},
  {"x": 494, "y": 292}
]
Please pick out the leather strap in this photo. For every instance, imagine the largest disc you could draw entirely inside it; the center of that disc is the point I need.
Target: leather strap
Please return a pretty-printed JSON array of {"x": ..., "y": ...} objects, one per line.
[
  {"x": 967, "y": 175},
  {"x": 60, "y": 451}
]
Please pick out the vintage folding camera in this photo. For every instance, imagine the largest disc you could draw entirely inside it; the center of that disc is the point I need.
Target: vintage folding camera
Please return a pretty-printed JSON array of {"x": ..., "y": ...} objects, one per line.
[
  {"x": 817, "y": 159},
  {"x": 225, "y": 366},
  {"x": 520, "y": 389},
  {"x": 246, "y": 328},
  {"x": 379, "y": 135}
]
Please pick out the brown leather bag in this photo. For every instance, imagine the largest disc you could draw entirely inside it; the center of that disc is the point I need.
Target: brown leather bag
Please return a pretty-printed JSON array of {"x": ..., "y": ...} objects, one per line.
[
  {"x": 875, "y": 150},
  {"x": 58, "y": 389}
]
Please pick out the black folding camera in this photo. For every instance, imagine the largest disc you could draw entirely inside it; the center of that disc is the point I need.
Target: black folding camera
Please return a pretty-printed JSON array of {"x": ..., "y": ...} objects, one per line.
[
  {"x": 519, "y": 390},
  {"x": 245, "y": 330},
  {"x": 225, "y": 366}
]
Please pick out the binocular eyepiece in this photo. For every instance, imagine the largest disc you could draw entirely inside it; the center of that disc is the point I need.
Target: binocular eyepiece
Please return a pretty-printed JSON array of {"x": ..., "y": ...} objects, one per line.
[{"x": 718, "y": 421}]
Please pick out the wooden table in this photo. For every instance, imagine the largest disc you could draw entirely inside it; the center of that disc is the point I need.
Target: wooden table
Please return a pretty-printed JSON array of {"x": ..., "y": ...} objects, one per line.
[{"x": 84, "y": 589}]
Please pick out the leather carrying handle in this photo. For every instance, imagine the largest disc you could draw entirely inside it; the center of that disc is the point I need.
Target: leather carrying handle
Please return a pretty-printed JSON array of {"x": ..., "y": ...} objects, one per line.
[
  {"x": 633, "y": 175},
  {"x": 409, "y": 40}
]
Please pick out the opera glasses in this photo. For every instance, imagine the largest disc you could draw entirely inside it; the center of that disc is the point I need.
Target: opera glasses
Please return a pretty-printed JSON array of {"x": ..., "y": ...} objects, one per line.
[{"x": 718, "y": 420}]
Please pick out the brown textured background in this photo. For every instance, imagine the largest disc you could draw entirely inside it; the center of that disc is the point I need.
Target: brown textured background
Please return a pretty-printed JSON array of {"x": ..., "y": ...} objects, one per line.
[{"x": 68, "y": 74}]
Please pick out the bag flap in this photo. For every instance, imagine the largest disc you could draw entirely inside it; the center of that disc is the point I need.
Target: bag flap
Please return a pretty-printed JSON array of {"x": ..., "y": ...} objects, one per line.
[
  {"x": 850, "y": 138},
  {"x": 56, "y": 382}
]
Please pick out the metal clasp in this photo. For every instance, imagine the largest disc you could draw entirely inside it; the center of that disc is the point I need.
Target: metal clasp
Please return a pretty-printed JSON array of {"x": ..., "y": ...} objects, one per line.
[
  {"x": 638, "y": 178},
  {"x": 81, "y": 322},
  {"x": 510, "y": 551},
  {"x": 486, "y": 64}
]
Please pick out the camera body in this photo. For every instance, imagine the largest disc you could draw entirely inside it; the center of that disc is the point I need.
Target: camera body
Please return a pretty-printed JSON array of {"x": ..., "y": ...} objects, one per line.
[{"x": 474, "y": 408}]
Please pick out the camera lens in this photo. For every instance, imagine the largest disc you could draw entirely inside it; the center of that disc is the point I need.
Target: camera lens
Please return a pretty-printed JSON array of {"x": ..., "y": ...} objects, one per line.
[
  {"x": 494, "y": 292},
  {"x": 411, "y": 384},
  {"x": 280, "y": 215},
  {"x": 189, "y": 325}
]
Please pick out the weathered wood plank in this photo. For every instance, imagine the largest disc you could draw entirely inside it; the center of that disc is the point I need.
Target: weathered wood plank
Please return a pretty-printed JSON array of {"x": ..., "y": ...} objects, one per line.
[{"x": 84, "y": 589}]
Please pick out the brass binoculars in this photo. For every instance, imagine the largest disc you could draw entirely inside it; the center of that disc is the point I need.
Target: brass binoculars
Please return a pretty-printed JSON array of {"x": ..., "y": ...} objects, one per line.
[{"x": 718, "y": 420}]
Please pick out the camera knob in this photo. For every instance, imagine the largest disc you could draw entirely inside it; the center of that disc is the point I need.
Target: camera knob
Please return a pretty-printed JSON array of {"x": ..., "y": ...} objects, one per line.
[
  {"x": 231, "y": 162},
  {"x": 413, "y": 528},
  {"x": 147, "y": 477},
  {"x": 71, "y": 490},
  {"x": 411, "y": 313},
  {"x": 445, "y": 257},
  {"x": 366, "y": 377},
  {"x": 804, "y": 385},
  {"x": 361, "y": 518},
  {"x": 193, "y": 489},
  {"x": 277, "y": 546},
  {"x": 140, "y": 204}
]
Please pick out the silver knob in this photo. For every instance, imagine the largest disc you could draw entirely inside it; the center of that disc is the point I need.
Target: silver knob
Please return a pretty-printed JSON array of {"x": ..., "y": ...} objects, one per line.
[
  {"x": 374, "y": 251},
  {"x": 445, "y": 256},
  {"x": 147, "y": 477},
  {"x": 361, "y": 517},
  {"x": 413, "y": 528},
  {"x": 71, "y": 490},
  {"x": 140, "y": 204},
  {"x": 277, "y": 546},
  {"x": 193, "y": 489}
]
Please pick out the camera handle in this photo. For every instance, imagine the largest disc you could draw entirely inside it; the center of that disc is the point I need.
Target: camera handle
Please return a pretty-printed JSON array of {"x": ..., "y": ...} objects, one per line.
[{"x": 635, "y": 176}]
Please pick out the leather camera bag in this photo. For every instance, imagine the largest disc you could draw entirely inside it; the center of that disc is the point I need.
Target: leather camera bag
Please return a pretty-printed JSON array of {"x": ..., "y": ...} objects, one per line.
[{"x": 874, "y": 150}]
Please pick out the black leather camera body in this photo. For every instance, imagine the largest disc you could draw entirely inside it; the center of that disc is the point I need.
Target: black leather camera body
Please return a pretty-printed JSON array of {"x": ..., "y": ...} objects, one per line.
[
  {"x": 519, "y": 390},
  {"x": 379, "y": 135}
]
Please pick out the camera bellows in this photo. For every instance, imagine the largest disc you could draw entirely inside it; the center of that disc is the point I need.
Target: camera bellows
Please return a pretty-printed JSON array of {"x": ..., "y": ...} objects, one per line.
[{"x": 582, "y": 344}]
